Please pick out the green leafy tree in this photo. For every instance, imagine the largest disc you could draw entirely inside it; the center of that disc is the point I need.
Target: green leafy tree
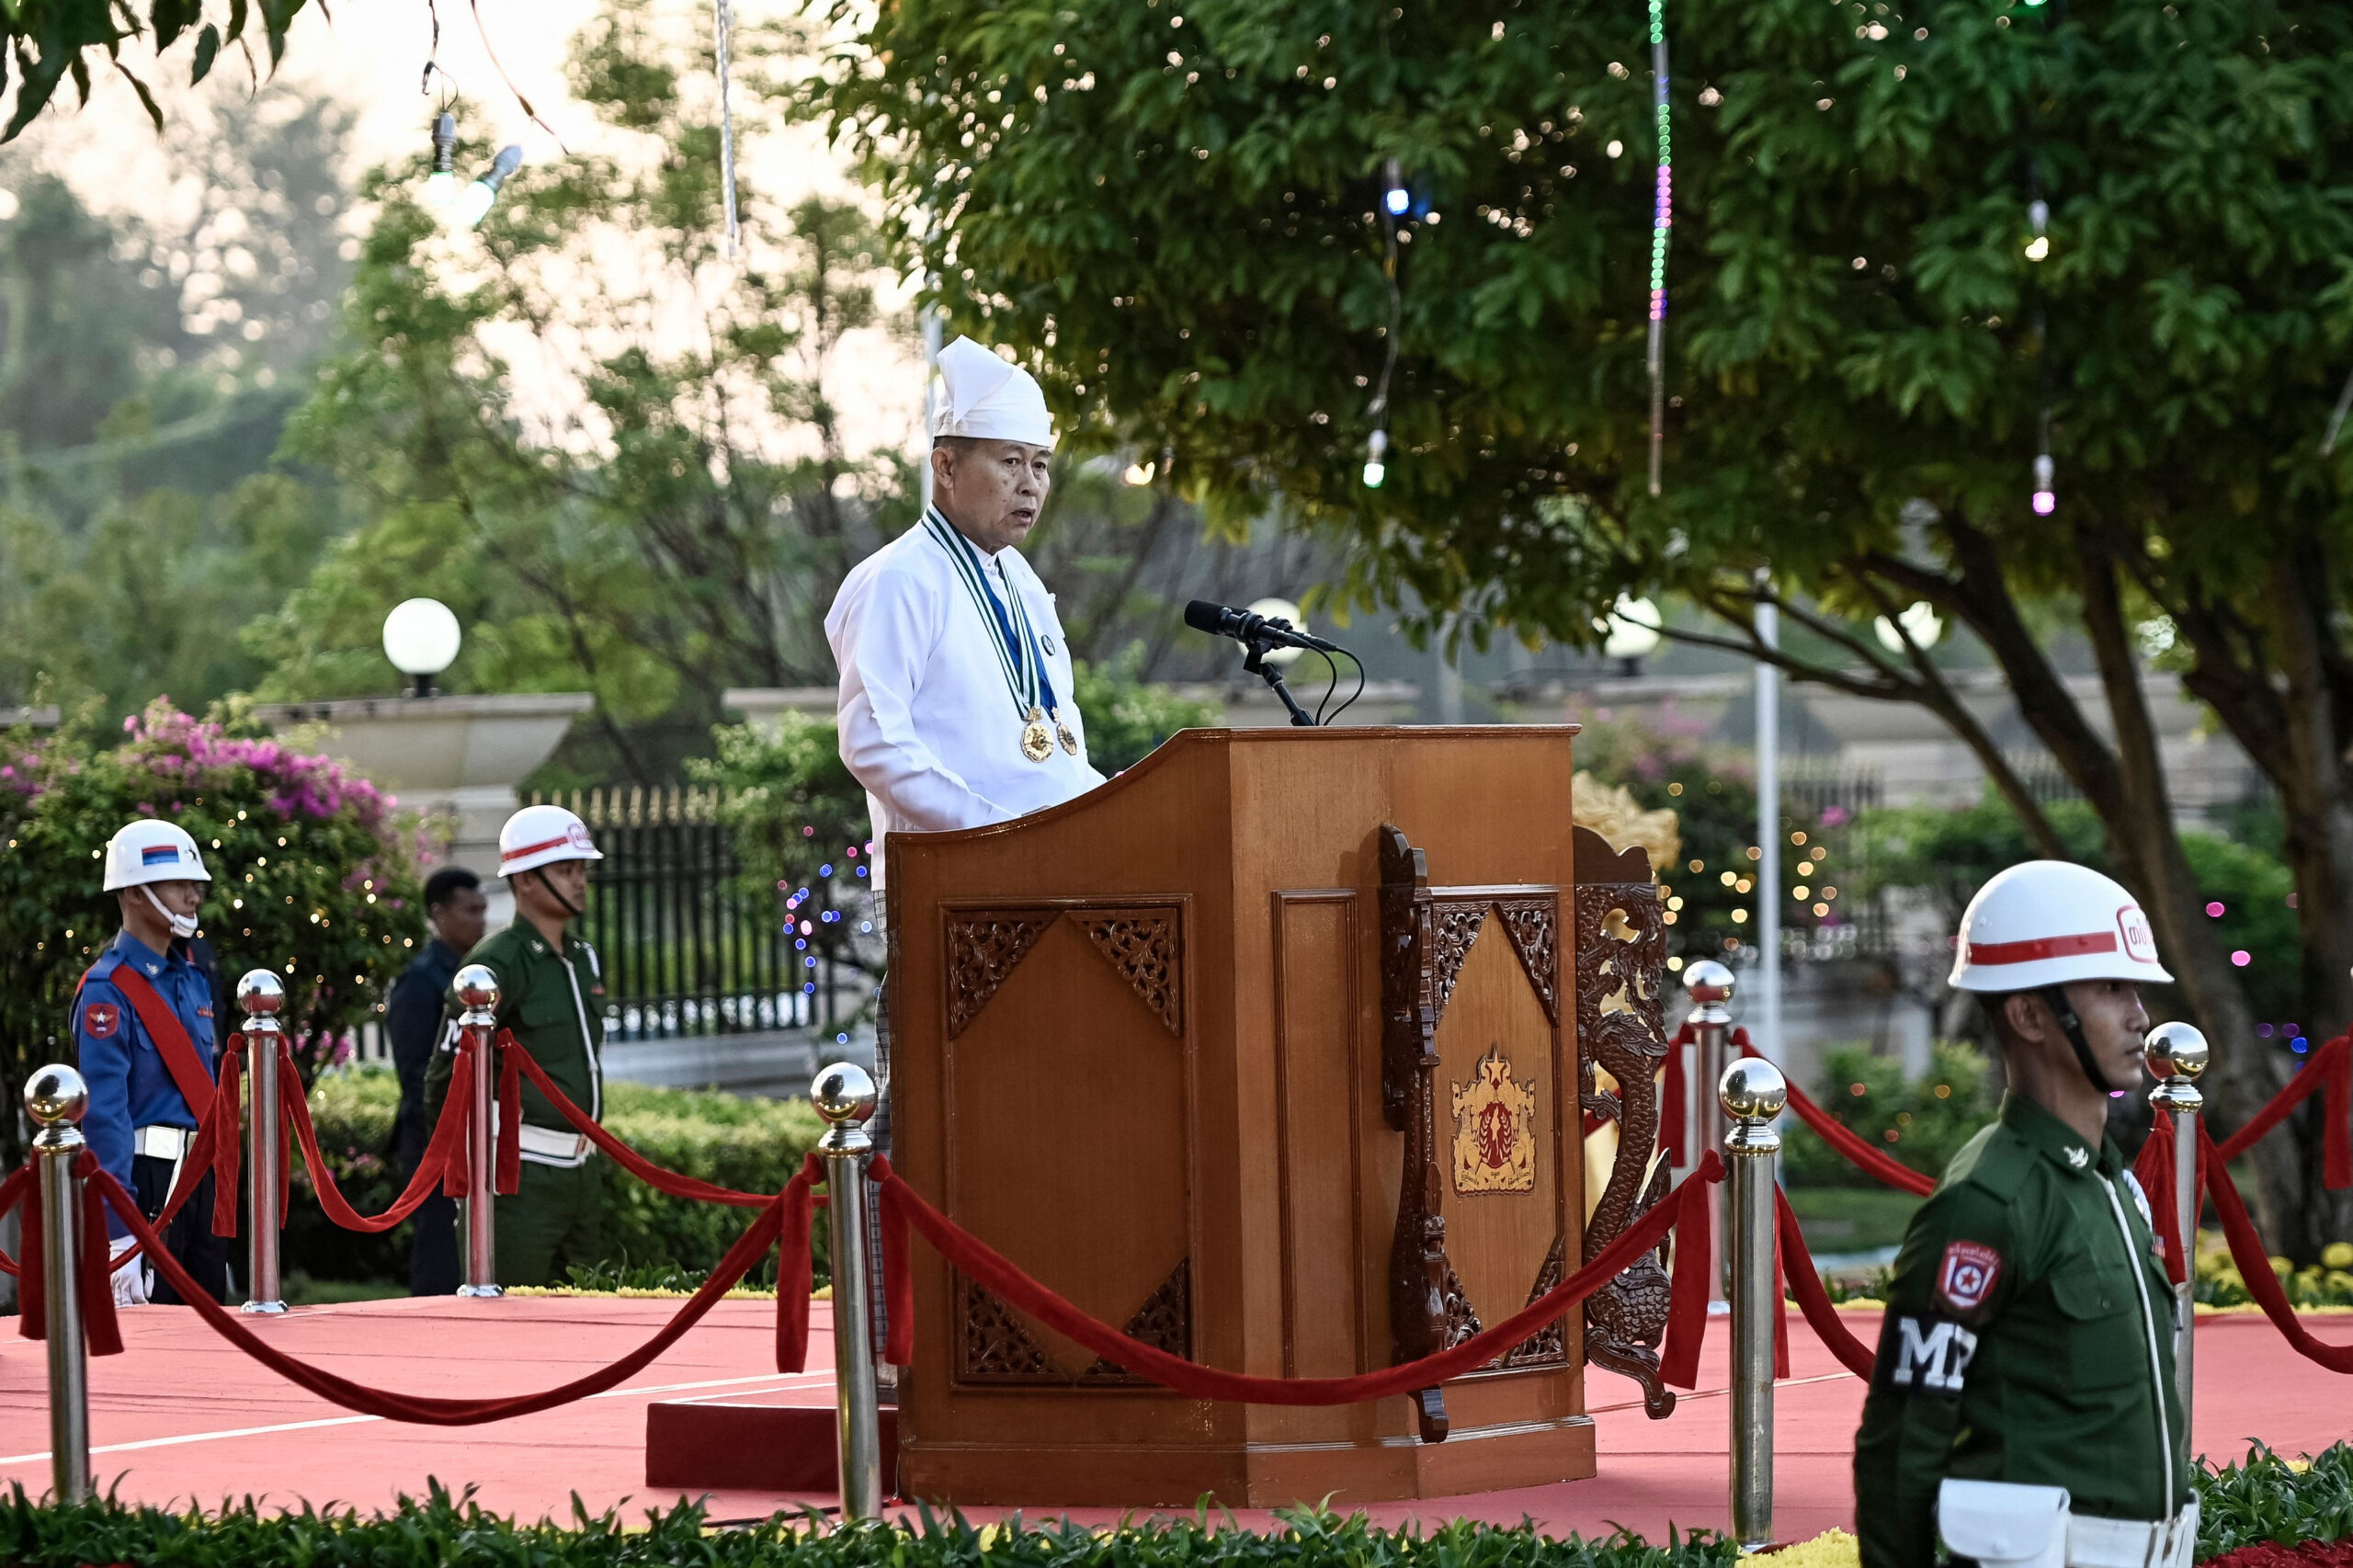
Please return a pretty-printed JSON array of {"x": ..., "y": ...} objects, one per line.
[
  {"x": 313, "y": 875},
  {"x": 1173, "y": 212},
  {"x": 679, "y": 526},
  {"x": 147, "y": 366},
  {"x": 1920, "y": 1122}
]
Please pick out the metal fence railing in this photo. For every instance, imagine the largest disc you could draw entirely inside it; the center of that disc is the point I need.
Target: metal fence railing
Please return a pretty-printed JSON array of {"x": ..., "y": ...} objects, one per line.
[{"x": 687, "y": 948}]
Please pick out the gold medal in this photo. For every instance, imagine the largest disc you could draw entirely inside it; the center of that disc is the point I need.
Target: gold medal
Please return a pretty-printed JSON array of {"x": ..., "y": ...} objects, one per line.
[
  {"x": 1062, "y": 733},
  {"x": 1036, "y": 743}
]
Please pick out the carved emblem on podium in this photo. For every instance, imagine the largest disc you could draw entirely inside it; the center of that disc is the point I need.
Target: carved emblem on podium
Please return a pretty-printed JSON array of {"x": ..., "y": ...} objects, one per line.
[{"x": 1494, "y": 1128}]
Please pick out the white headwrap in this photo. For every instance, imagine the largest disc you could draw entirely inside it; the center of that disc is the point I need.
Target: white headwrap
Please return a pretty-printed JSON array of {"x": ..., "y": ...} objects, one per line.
[{"x": 989, "y": 399}]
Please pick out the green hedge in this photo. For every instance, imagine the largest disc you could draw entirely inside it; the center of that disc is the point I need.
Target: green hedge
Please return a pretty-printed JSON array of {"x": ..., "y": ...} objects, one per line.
[
  {"x": 754, "y": 1145},
  {"x": 2263, "y": 1498},
  {"x": 440, "y": 1530}
]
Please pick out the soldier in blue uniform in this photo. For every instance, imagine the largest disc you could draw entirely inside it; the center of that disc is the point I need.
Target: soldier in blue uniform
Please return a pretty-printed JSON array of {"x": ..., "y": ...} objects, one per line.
[{"x": 143, "y": 1033}]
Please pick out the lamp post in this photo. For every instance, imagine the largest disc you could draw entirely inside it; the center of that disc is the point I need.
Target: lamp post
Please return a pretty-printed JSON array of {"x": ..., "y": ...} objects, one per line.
[{"x": 421, "y": 639}]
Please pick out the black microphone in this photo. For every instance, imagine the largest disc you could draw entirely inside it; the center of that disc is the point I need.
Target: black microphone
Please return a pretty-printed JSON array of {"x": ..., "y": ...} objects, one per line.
[{"x": 1224, "y": 620}]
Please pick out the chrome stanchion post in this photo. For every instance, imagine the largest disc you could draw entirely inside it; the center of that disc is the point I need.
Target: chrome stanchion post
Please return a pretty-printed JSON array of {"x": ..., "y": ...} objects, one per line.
[
  {"x": 477, "y": 989},
  {"x": 56, "y": 1097},
  {"x": 260, "y": 996},
  {"x": 2176, "y": 1053},
  {"x": 1752, "y": 1093},
  {"x": 845, "y": 1096},
  {"x": 1709, "y": 984}
]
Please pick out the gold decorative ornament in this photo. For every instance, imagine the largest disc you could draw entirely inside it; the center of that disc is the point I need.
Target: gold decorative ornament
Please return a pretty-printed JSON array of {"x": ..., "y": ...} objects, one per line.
[
  {"x": 1037, "y": 745},
  {"x": 1494, "y": 1128}
]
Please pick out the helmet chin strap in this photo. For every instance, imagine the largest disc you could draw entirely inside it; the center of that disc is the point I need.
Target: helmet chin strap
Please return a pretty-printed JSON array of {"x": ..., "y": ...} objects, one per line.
[
  {"x": 547, "y": 882},
  {"x": 2055, "y": 997},
  {"x": 183, "y": 926}
]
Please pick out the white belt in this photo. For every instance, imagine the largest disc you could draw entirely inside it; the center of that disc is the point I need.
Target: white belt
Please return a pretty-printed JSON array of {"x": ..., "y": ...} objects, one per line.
[
  {"x": 2132, "y": 1543},
  {"x": 161, "y": 1142},
  {"x": 550, "y": 1144}
]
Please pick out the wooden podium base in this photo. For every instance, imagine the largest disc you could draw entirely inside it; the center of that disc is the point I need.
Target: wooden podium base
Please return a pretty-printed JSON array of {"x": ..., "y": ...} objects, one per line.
[{"x": 1257, "y": 1475}]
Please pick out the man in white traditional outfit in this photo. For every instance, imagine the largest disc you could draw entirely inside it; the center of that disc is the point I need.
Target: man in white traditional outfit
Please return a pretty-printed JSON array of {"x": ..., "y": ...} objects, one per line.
[{"x": 956, "y": 706}]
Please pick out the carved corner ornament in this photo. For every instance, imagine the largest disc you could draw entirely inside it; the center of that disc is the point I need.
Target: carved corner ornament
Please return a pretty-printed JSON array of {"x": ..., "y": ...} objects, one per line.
[
  {"x": 1622, "y": 1028},
  {"x": 1146, "y": 945}
]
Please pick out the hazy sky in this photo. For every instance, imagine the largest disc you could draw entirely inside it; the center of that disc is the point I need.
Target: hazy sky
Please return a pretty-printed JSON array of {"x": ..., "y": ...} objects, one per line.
[{"x": 370, "y": 57}]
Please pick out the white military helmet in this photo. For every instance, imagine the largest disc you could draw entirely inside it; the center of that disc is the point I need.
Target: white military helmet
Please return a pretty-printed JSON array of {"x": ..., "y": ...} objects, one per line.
[
  {"x": 540, "y": 836},
  {"x": 150, "y": 850},
  {"x": 2048, "y": 921}
]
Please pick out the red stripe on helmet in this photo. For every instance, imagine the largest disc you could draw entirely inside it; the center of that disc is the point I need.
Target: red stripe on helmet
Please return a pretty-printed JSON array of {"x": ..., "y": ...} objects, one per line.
[
  {"x": 2041, "y": 948},
  {"x": 557, "y": 843}
]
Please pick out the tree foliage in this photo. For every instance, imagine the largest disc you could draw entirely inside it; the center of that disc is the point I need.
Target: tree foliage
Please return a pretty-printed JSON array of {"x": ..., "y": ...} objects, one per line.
[
  {"x": 1171, "y": 210},
  {"x": 673, "y": 520}
]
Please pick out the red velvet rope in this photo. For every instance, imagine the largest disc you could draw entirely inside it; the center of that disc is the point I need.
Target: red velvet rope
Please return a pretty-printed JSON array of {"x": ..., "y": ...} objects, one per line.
[
  {"x": 2331, "y": 1067},
  {"x": 1805, "y": 1283},
  {"x": 1671, "y": 1092},
  {"x": 448, "y": 1144},
  {"x": 990, "y": 1269},
  {"x": 763, "y": 1234},
  {"x": 1839, "y": 1136},
  {"x": 2255, "y": 1265},
  {"x": 101, "y": 1336},
  {"x": 630, "y": 1160}
]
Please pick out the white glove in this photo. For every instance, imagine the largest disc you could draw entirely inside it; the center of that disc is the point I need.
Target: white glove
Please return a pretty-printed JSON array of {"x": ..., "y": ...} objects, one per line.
[{"x": 129, "y": 1278}]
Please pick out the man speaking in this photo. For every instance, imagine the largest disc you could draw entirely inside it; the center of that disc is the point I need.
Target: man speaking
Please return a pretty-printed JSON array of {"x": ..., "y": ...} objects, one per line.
[{"x": 956, "y": 707}]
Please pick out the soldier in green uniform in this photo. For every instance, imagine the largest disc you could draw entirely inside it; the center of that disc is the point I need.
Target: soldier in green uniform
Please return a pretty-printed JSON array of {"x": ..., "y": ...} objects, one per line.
[
  {"x": 2024, "y": 1407},
  {"x": 552, "y": 997}
]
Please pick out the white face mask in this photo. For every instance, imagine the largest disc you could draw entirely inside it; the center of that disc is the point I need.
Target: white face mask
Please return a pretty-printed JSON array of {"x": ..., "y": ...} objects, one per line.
[{"x": 183, "y": 926}]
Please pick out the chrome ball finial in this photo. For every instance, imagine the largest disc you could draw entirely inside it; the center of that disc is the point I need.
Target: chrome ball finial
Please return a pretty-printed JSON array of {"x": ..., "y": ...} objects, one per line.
[
  {"x": 477, "y": 988},
  {"x": 843, "y": 1092},
  {"x": 56, "y": 1094},
  {"x": 261, "y": 994},
  {"x": 1710, "y": 985},
  {"x": 1753, "y": 1090},
  {"x": 2176, "y": 1051}
]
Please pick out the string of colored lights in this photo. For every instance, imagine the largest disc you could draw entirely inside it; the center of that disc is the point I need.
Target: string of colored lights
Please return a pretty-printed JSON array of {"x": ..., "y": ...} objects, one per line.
[
  {"x": 725, "y": 30},
  {"x": 1662, "y": 220}
]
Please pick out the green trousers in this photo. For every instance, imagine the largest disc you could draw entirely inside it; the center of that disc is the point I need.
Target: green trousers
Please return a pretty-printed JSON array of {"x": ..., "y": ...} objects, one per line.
[{"x": 557, "y": 1219}]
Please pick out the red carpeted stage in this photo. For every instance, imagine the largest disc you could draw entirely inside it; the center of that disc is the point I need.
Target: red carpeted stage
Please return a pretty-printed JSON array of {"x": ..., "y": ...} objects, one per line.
[{"x": 180, "y": 1416}]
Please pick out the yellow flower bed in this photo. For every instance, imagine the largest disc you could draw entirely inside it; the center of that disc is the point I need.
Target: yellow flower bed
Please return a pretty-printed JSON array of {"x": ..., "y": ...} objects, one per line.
[{"x": 1831, "y": 1548}]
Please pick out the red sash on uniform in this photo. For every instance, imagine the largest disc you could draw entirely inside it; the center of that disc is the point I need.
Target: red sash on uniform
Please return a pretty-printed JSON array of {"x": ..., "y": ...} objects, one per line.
[{"x": 171, "y": 1038}]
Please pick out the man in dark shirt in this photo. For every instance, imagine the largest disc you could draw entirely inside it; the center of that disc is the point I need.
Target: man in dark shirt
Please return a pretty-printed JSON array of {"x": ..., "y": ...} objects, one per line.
[{"x": 454, "y": 912}]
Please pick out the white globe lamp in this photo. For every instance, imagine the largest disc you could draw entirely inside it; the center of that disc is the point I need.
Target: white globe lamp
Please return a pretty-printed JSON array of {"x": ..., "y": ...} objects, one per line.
[
  {"x": 1281, "y": 609},
  {"x": 1920, "y": 622},
  {"x": 1632, "y": 632},
  {"x": 421, "y": 639}
]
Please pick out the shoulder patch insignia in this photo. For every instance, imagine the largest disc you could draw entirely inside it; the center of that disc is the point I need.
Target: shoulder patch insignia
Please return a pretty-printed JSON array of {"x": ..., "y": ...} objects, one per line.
[
  {"x": 100, "y": 1019},
  {"x": 1967, "y": 1275}
]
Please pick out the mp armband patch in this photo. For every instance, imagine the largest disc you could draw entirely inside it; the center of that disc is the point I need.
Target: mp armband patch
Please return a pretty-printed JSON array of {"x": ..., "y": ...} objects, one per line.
[{"x": 1921, "y": 1354}]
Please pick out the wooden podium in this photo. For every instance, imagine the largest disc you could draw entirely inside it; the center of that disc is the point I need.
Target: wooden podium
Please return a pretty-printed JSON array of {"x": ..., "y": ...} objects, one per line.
[{"x": 1268, "y": 1050}]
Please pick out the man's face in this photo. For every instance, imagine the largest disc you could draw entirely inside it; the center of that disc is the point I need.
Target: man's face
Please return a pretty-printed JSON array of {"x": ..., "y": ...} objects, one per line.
[
  {"x": 180, "y": 898},
  {"x": 993, "y": 491},
  {"x": 2114, "y": 1026},
  {"x": 547, "y": 890},
  {"x": 459, "y": 919}
]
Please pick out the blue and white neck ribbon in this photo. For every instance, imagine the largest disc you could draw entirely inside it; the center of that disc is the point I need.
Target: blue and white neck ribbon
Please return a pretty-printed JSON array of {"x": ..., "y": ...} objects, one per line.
[{"x": 1017, "y": 655}]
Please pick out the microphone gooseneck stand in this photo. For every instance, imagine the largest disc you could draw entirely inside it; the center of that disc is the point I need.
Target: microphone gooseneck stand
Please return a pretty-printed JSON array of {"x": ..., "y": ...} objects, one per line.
[{"x": 1273, "y": 675}]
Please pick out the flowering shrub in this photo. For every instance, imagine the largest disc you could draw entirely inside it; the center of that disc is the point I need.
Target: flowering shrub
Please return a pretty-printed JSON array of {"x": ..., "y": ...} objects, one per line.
[{"x": 313, "y": 875}]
